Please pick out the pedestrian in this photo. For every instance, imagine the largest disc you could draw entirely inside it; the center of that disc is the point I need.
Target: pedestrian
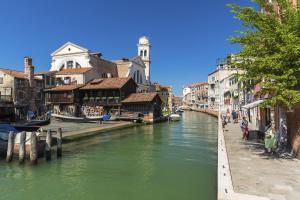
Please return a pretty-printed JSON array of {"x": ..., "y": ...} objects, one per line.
[
  {"x": 270, "y": 139},
  {"x": 244, "y": 127},
  {"x": 234, "y": 116},
  {"x": 223, "y": 117},
  {"x": 228, "y": 115}
]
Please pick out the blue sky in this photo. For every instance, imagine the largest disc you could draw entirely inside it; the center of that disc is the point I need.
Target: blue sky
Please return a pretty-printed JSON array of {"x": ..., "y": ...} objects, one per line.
[{"x": 187, "y": 36}]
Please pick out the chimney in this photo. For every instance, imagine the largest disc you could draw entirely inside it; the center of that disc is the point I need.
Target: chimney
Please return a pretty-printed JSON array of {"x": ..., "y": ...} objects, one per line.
[
  {"x": 29, "y": 70},
  {"x": 29, "y": 75}
]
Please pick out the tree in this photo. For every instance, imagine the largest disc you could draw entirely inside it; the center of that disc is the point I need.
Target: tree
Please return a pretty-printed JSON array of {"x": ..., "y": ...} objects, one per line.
[{"x": 270, "y": 49}]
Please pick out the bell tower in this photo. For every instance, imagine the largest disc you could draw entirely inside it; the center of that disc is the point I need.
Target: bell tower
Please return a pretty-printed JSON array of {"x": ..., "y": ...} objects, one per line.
[{"x": 144, "y": 47}]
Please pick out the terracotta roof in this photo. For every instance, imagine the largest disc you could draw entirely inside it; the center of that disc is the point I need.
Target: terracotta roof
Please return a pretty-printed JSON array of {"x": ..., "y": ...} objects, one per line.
[
  {"x": 45, "y": 73},
  {"x": 13, "y": 73},
  {"x": 140, "y": 97},
  {"x": 107, "y": 83},
  {"x": 198, "y": 84},
  {"x": 74, "y": 71},
  {"x": 122, "y": 61},
  {"x": 65, "y": 87}
]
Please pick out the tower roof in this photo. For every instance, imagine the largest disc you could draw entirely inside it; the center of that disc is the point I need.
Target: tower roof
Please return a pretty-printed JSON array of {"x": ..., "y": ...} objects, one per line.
[{"x": 144, "y": 40}]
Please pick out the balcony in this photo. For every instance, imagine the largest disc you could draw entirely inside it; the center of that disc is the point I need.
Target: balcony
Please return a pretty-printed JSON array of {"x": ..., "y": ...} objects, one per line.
[
  {"x": 103, "y": 101},
  {"x": 60, "y": 99}
]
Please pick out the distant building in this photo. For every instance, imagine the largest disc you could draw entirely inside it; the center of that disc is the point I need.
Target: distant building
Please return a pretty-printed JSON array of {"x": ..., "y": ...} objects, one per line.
[
  {"x": 216, "y": 83},
  {"x": 186, "y": 99},
  {"x": 20, "y": 92},
  {"x": 177, "y": 101},
  {"x": 165, "y": 93},
  {"x": 199, "y": 95}
]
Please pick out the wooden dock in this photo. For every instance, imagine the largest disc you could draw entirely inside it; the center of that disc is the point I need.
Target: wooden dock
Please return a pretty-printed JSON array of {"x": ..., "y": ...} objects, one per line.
[{"x": 74, "y": 131}]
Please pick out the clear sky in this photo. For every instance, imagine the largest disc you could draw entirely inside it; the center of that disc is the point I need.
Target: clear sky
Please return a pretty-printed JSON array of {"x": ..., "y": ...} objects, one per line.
[{"x": 186, "y": 36}]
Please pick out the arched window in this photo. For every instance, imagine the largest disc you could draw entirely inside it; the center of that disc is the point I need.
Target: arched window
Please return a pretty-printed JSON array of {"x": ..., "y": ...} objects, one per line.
[
  {"x": 78, "y": 65},
  {"x": 62, "y": 67},
  {"x": 69, "y": 64},
  {"x": 141, "y": 79},
  {"x": 145, "y": 53},
  {"x": 141, "y": 53}
]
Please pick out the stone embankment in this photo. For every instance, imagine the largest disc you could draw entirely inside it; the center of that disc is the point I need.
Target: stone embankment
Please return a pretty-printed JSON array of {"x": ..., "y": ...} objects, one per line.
[{"x": 207, "y": 111}]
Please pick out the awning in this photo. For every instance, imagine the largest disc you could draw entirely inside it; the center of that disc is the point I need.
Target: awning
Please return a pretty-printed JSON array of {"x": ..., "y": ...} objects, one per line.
[{"x": 253, "y": 104}]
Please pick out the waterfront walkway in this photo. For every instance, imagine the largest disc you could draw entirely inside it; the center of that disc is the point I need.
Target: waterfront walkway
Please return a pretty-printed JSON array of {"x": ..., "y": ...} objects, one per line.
[
  {"x": 73, "y": 131},
  {"x": 256, "y": 174}
]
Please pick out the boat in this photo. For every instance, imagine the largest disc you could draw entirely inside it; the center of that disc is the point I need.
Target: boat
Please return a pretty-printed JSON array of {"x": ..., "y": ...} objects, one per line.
[
  {"x": 32, "y": 125},
  {"x": 174, "y": 117},
  {"x": 87, "y": 119},
  {"x": 179, "y": 111}
]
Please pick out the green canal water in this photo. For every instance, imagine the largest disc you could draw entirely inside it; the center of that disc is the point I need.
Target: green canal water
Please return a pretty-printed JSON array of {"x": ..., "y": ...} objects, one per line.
[{"x": 161, "y": 162}]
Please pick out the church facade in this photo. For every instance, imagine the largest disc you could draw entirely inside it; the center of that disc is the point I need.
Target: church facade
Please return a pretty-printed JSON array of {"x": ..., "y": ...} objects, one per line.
[{"x": 73, "y": 64}]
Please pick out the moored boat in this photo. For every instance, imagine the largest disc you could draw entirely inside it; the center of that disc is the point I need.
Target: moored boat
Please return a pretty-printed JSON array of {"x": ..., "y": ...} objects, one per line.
[
  {"x": 175, "y": 117},
  {"x": 32, "y": 125},
  {"x": 92, "y": 119}
]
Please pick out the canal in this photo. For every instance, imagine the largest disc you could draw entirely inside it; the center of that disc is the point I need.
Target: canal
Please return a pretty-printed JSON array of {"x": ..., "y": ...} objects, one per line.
[{"x": 175, "y": 161}]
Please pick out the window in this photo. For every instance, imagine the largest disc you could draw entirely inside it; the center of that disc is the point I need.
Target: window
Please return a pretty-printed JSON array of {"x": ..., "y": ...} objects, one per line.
[
  {"x": 78, "y": 65},
  {"x": 145, "y": 53},
  {"x": 104, "y": 75},
  {"x": 47, "y": 80},
  {"x": 1, "y": 80},
  {"x": 52, "y": 81},
  {"x": 69, "y": 64},
  {"x": 138, "y": 76},
  {"x": 141, "y": 53},
  {"x": 134, "y": 76},
  {"x": 62, "y": 67},
  {"x": 67, "y": 80},
  {"x": 141, "y": 79}
]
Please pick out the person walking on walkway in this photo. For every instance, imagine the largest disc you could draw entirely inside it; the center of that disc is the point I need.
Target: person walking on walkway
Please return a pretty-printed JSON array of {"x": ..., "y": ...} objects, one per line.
[
  {"x": 223, "y": 117},
  {"x": 270, "y": 139},
  {"x": 234, "y": 116},
  {"x": 244, "y": 127},
  {"x": 228, "y": 115}
]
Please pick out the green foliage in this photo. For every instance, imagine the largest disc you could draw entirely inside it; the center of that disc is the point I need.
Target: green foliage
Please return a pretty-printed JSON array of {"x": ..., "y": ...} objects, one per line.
[{"x": 270, "y": 50}]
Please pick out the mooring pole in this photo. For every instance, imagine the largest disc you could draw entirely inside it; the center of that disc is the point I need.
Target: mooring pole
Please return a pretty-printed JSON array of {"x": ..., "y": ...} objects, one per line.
[
  {"x": 48, "y": 145},
  {"x": 10, "y": 146},
  {"x": 59, "y": 142},
  {"x": 33, "y": 149},
  {"x": 22, "y": 147}
]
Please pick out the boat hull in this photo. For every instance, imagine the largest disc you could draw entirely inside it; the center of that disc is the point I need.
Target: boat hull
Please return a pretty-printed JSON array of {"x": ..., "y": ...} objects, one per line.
[{"x": 77, "y": 119}]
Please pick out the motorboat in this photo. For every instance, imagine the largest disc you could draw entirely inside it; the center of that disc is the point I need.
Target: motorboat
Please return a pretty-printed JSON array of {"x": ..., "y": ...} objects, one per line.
[
  {"x": 85, "y": 119},
  {"x": 175, "y": 117},
  {"x": 31, "y": 125},
  {"x": 179, "y": 111}
]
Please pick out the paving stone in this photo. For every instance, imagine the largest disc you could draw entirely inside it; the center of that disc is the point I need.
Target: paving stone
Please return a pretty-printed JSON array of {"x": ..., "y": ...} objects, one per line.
[{"x": 256, "y": 174}]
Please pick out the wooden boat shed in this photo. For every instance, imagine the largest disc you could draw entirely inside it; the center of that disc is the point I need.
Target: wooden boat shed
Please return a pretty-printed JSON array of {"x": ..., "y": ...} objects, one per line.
[{"x": 149, "y": 104}]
